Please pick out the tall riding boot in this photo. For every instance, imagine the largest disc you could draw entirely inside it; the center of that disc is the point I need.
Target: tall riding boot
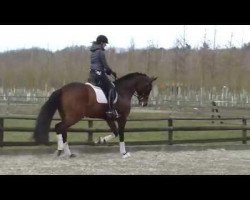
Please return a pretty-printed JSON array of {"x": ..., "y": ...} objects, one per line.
[{"x": 111, "y": 113}]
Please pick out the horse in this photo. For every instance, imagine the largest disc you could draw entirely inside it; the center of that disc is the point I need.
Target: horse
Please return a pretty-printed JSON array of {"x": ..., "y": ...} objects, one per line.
[{"x": 77, "y": 100}]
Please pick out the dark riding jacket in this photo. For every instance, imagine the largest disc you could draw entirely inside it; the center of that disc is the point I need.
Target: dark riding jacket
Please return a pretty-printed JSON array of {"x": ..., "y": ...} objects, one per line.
[{"x": 98, "y": 60}]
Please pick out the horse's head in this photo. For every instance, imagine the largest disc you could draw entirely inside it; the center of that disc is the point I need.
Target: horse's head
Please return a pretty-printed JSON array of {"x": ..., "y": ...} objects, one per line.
[
  {"x": 143, "y": 89},
  {"x": 137, "y": 84}
]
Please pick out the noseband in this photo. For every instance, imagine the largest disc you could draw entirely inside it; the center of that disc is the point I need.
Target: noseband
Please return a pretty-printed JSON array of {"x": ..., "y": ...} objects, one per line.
[{"x": 140, "y": 97}]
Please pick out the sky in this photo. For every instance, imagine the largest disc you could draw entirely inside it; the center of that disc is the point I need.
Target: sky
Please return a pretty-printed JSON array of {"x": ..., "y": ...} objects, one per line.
[{"x": 57, "y": 37}]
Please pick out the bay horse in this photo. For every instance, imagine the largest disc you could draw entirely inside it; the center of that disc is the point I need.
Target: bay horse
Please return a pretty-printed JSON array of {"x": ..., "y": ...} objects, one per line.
[{"x": 76, "y": 100}]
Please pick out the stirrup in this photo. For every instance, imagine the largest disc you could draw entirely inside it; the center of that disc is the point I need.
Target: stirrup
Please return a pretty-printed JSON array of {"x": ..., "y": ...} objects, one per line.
[
  {"x": 117, "y": 114},
  {"x": 113, "y": 114}
]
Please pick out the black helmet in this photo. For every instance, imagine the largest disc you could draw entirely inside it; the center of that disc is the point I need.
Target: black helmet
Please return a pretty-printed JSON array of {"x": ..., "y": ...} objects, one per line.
[{"x": 101, "y": 39}]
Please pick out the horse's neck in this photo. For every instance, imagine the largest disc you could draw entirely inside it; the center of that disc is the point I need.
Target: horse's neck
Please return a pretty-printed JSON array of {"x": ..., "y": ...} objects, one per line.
[{"x": 126, "y": 88}]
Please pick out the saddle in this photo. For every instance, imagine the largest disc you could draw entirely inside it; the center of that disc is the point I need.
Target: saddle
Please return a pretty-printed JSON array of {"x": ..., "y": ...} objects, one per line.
[{"x": 100, "y": 96}]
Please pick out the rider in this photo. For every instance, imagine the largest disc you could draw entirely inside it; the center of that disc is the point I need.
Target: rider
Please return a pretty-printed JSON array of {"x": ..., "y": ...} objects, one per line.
[{"x": 98, "y": 70}]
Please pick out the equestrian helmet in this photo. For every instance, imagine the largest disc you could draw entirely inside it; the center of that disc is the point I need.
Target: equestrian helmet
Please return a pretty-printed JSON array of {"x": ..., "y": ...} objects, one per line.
[{"x": 102, "y": 39}]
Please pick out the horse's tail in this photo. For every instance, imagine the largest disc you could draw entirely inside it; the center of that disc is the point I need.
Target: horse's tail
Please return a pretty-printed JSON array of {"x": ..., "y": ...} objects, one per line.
[{"x": 41, "y": 133}]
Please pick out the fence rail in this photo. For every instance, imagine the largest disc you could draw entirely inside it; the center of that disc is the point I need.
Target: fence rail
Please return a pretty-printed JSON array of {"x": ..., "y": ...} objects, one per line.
[{"x": 169, "y": 130}]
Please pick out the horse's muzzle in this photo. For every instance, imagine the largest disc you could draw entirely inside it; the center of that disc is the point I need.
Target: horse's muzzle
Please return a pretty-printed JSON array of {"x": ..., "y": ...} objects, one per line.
[{"x": 143, "y": 104}]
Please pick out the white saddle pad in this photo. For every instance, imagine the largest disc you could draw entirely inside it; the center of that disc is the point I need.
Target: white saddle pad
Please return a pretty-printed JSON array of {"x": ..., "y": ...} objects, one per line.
[{"x": 100, "y": 96}]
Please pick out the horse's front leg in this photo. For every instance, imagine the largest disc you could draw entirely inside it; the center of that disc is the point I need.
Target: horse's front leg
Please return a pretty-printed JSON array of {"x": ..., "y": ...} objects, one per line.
[
  {"x": 114, "y": 134},
  {"x": 121, "y": 126}
]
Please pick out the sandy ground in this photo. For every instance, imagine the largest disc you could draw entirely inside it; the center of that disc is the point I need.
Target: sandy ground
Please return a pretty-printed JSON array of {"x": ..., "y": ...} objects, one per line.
[{"x": 187, "y": 162}]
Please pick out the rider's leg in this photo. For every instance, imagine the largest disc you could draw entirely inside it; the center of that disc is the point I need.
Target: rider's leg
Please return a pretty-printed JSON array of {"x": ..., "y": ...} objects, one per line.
[
  {"x": 109, "y": 91},
  {"x": 104, "y": 84},
  {"x": 111, "y": 98}
]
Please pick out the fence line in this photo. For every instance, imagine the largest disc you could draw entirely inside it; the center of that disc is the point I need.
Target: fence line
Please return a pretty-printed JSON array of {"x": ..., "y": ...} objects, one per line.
[{"x": 169, "y": 129}]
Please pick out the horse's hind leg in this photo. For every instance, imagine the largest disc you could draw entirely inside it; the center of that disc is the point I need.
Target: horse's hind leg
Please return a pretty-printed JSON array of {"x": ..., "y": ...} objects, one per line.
[
  {"x": 62, "y": 144},
  {"x": 59, "y": 134}
]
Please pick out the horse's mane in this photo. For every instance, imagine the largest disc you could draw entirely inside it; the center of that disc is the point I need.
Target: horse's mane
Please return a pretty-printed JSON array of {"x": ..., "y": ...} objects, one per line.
[{"x": 129, "y": 76}]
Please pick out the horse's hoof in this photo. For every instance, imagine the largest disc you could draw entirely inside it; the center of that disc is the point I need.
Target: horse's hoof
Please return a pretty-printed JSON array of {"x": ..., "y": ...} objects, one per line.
[
  {"x": 59, "y": 152},
  {"x": 126, "y": 155},
  {"x": 72, "y": 155},
  {"x": 100, "y": 141},
  {"x": 96, "y": 142}
]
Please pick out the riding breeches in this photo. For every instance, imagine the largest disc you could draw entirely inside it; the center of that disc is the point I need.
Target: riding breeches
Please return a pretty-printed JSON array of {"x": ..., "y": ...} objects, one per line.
[{"x": 103, "y": 82}]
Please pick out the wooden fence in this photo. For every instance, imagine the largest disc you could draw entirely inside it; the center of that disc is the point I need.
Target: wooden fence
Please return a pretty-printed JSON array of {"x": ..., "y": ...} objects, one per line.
[{"x": 169, "y": 130}]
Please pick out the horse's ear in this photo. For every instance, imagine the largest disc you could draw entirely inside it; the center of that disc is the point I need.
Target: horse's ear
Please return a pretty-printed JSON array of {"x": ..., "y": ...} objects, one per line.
[{"x": 153, "y": 79}]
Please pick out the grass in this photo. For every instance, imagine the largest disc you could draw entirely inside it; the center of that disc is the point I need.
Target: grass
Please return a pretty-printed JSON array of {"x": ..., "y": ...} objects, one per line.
[{"x": 147, "y": 136}]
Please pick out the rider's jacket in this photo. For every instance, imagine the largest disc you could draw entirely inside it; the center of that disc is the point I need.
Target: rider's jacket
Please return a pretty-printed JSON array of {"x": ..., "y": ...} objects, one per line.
[{"x": 98, "y": 60}]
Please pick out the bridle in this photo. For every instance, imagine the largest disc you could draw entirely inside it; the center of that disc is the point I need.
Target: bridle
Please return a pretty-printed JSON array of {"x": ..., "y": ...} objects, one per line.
[{"x": 140, "y": 97}]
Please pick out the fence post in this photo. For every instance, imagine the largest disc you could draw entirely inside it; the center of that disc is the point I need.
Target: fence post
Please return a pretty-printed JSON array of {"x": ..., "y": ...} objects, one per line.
[
  {"x": 244, "y": 132},
  {"x": 1, "y": 131},
  {"x": 215, "y": 110},
  {"x": 90, "y": 133},
  {"x": 170, "y": 132}
]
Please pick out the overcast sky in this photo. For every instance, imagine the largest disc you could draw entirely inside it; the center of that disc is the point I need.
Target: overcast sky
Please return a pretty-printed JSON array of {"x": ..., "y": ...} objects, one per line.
[{"x": 56, "y": 37}]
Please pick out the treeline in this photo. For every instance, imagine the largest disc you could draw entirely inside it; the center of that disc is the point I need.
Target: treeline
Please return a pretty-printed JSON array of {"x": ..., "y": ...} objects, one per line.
[{"x": 182, "y": 65}]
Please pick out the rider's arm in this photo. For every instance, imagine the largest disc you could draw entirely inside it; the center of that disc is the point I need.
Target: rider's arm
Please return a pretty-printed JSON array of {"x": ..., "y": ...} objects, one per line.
[{"x": 104, "y": 63}]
